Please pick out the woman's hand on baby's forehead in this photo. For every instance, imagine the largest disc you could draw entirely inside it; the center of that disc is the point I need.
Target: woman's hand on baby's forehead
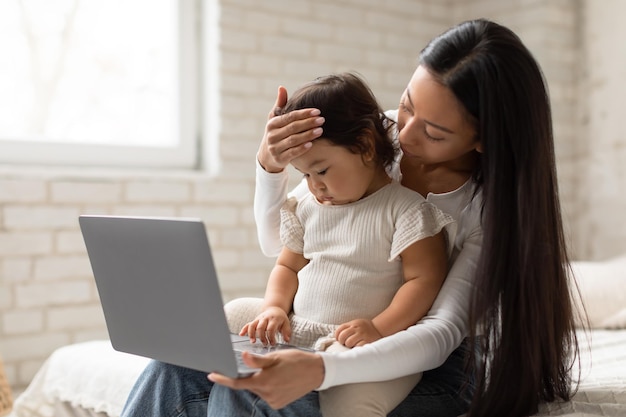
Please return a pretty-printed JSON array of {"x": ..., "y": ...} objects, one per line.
[
  {"x": 286, "y": 141},
  {"x": 288, "y": 136}
]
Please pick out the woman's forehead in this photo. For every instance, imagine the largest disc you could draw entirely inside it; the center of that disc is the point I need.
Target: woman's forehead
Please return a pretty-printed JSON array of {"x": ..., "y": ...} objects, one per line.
[{"x": 434, "y": 102}]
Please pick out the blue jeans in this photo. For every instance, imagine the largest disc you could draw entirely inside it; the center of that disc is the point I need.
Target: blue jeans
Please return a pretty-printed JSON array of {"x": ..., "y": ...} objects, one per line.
[{"x": 164, "y": 390}]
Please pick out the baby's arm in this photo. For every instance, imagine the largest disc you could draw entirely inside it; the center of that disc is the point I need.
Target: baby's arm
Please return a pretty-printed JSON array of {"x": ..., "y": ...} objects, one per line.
[
  {"x": 279, "y": 293},
  {"x": 424, "y": 265}
]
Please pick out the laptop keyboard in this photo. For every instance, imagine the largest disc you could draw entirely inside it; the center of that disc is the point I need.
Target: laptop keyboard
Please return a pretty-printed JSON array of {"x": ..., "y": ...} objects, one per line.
[
  {"x": 240, "y": 363},
  {"x": 257, "y": 349}
]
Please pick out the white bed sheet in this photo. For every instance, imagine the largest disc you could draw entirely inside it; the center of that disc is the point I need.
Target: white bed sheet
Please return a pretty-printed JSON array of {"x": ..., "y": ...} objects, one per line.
[
  {"x": 602, "y": 390},
  {"x": 87, "y": 379},
  {"x": 92, "y": 380}
]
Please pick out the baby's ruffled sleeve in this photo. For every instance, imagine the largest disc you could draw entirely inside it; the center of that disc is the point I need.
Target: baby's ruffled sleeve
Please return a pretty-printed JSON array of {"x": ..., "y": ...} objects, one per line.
[
  {"x": 291, "y": 231},
  {"x": 422, "y": 221}
]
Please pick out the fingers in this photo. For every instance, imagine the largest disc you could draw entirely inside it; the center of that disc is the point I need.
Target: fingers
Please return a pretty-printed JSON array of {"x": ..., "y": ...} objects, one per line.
[
  {"x": 348, "y": 338},
  {"x": 261, "y": 331},
  {"x": 296, "y": 121},
  {"x": 253, "y": 361},
  {"x": 270, "y": 332},
  {"x": 284, "y": 376},
  {"x": 285, "y": 331},
  {"x": 256, "y": 383},
  {"x": 344, "y": 331},
  {"x": 350, "y": 335},
  {"x": 274, "y": 327},
  {"x": 290, "y": 135},
  {"x": 265, "y": 330},
  {"x": 257, "y": 329},
  {"x": 249, "y": 330},
  {"x": 340, "y": 329},
  {"x": 353, "y": 340},
  {"x": 281, "y": 100},
  {"x": 244, "y": 330},
  {"x": 258, "y": 361}
]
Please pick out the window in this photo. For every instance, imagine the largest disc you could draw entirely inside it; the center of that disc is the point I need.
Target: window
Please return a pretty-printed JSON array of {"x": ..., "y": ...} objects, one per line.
[{"x": 99, "y": 82}]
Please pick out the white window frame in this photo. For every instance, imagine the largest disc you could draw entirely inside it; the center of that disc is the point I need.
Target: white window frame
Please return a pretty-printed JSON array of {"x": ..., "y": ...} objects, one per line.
[{"x": 184, "y": 156}]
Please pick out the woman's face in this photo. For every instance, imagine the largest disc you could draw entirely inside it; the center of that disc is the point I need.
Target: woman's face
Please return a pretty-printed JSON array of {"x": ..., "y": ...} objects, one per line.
[{"x": 434, "y": 127}]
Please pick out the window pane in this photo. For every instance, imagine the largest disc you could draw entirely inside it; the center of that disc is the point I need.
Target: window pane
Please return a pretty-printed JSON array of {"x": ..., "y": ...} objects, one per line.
[{"x": 90, "y": 72}]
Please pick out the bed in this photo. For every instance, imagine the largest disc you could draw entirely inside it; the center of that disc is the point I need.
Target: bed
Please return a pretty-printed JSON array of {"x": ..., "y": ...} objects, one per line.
[{"x": 91, "y": 379}]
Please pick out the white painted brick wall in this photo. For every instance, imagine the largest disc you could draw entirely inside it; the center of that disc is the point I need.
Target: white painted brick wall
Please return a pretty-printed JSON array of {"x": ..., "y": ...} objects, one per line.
[
  {"x": 47, "y": 295},
  {"x": 22, "y": 191},
  {"x": 20, "y": 322},
  {"x": 551, "y": 31},
  {"x": 603, "y": 148}
]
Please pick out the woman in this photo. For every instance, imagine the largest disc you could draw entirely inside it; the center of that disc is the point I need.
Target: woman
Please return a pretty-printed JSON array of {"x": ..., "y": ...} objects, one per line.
[
  {"x": 393, "y": 246},
  {"x": 474, "y": 125}
]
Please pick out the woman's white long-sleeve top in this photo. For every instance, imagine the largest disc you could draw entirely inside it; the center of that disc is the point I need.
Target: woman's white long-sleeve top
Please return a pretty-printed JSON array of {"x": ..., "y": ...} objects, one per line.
[{"x": 423, "y": 346}]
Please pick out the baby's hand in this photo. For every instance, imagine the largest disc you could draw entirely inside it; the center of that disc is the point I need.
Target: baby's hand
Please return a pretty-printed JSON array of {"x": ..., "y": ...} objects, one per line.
[
  {"x": 357, "y": 333},
  {"x": 266, "y": 325}
]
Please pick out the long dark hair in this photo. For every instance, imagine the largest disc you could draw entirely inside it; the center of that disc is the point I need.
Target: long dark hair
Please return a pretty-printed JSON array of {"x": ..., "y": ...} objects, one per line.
[
  {"x": 521, "y": 312},
  {"x": 351, "y": 114}
]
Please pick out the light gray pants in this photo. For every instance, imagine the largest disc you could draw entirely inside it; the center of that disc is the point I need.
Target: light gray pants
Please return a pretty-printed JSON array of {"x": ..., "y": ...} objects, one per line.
[{"x": 363, "y": 399}]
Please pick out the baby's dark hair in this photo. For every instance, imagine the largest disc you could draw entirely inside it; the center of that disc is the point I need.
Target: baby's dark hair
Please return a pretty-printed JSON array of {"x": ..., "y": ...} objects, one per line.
[{"x": 351, "y": 112}]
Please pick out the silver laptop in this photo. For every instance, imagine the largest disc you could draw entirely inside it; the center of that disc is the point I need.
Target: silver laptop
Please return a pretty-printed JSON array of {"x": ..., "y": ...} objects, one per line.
[{"x": 160, "y": 294}]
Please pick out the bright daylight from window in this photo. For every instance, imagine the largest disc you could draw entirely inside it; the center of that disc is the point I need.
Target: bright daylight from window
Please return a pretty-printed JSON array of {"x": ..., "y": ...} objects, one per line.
[{"x": 90, "y": 72}]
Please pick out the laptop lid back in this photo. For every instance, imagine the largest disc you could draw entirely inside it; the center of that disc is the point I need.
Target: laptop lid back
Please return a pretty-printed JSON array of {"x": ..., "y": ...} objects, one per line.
[{"x": 159, "y": 290}]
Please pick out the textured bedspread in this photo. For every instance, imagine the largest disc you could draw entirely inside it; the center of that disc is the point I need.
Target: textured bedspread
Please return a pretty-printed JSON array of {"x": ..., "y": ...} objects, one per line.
[
  {"x": 91, "y": 379},
  {"x": 602, "y": 391},
  {"x": 81, "y": 380}
]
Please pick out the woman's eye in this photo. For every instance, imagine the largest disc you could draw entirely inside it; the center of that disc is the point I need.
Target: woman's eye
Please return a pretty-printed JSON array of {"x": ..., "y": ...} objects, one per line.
[
  {"x": 429, "y": 137},
  {"x": 322, "y": 172},
  {"x": 404, "y": 108}
]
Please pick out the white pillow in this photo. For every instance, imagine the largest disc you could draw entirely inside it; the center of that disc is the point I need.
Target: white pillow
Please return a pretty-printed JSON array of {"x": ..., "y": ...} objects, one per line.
[{"x": 602, "y": 286}]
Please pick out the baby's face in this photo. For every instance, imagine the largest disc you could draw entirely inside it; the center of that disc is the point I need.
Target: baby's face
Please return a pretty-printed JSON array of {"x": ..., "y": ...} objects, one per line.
[{"x": 334, "y": 174}]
